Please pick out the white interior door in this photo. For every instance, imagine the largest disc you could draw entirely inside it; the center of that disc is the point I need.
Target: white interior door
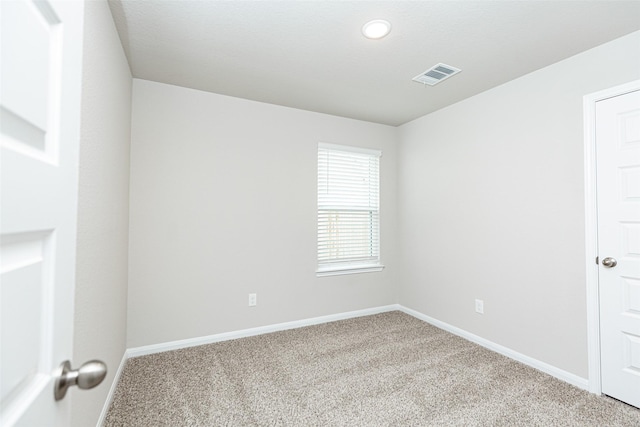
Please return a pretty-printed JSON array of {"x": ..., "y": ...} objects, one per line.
[
  {"x": 618, "y": 198},
  {"x": 40, "y": 87}
]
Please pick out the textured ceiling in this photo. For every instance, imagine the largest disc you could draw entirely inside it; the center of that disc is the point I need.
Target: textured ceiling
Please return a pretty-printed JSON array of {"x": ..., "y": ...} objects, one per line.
[{"x": 311, "y": 55}]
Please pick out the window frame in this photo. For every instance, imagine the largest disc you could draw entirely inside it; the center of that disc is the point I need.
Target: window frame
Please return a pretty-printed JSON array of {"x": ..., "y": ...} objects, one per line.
[{"x": 334, "y": 268}]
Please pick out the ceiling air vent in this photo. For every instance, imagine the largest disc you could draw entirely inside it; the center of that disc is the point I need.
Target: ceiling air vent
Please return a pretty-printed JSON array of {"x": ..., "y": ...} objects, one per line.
[{"x": 436, "y": 74}]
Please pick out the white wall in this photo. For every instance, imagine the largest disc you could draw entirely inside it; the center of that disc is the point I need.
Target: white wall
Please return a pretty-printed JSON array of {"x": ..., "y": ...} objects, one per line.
[
  {"x": 223, "y": 203},
  {"x": 491, "y": 206},
  {"x": 103, "y": 208}
]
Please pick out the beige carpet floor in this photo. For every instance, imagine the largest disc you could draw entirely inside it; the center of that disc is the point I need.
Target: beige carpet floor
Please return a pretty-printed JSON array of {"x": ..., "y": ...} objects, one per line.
[{"x": 388, "y": 369}]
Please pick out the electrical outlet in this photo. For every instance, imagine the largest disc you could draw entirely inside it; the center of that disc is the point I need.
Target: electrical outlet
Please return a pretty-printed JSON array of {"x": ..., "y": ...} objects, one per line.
[
  {"x": 253, "y": 300},
  {"x": 479, "y": 306}
]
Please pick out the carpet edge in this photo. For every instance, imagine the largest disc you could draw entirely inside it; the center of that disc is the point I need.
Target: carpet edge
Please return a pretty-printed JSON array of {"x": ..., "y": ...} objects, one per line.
[
  {"x": 112, "y": 390},
  {"x": 554, "y": 371},
  {"x": 561, "y": 374},
  {"x": 243, "y": 333}
]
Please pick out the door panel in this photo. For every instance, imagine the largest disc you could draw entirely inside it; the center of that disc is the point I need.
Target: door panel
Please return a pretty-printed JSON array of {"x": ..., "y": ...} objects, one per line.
[
  {"x": 23, "y": 299},
  {"x": 31, "y": 76},
  {"x": 40, "y": 84},
  {"x": 618, "y": 189}
]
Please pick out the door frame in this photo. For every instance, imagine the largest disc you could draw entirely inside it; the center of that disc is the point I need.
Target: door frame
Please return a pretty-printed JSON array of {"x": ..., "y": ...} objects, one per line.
[{"x": 591, "y": 228}]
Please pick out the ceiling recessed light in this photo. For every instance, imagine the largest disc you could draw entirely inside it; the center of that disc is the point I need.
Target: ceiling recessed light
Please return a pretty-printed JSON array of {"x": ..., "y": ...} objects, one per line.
[{"x": 376, "y": 29}]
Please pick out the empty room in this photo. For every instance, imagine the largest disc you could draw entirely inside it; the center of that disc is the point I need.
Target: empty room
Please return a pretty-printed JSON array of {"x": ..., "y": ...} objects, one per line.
[{"x": 320, "y": 213}]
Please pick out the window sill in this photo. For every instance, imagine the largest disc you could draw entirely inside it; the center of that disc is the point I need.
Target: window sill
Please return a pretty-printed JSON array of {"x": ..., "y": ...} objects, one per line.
[{"x": 348, "y": 269}]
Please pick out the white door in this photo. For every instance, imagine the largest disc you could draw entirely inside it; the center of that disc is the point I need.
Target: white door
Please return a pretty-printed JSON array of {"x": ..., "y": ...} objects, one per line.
[
  {"x": 618, "y": 198},
  {"x": 40, "y": 87}
]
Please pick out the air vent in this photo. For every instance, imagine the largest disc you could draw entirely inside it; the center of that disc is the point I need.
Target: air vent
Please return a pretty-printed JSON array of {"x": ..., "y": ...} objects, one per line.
[{"x": 436, "y": 74}]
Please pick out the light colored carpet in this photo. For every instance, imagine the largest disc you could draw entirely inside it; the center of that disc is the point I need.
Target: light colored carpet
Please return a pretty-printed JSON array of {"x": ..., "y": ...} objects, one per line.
[{"x": 388, "y": 369}]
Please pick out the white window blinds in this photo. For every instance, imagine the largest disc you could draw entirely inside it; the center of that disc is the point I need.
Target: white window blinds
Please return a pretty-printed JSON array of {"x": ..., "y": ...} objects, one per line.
[{"x": 348, "y": 208}]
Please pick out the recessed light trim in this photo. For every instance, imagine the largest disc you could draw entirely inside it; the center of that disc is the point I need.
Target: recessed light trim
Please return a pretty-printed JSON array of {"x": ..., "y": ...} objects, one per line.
[{"x": 376, "y": 29}]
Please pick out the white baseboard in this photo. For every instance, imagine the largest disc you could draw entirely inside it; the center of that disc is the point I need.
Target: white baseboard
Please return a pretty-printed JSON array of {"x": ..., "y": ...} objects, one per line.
[
  {"x": 561, "y": 374},
  {"x": 192, "y": 342},
  {"x": 112, "y": 390}
]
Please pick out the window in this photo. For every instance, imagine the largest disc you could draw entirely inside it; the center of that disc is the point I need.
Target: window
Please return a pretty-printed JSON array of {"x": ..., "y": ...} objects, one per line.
[{"x": 348, "y": 210}]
